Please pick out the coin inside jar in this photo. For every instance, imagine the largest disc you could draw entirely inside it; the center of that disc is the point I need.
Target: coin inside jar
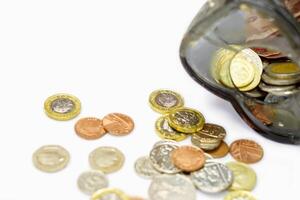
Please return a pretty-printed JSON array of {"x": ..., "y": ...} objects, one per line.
[
  {"x": 90, "y": 128},
  {"x": 118, "y": 124},
  {"x": 91, "y": 181}
]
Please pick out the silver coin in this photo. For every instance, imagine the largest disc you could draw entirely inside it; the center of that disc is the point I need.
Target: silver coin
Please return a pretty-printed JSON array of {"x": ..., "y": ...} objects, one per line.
[
  {"x": 144, "y": 168},
  {"x": 172, "y": 187},
  {"x": 213, "y": 178},
  {"x": 274, "y": 99},
  {"x": 160, "y": 157},
  {"x": 256, "y": 93},
  {"x": 162, "y": 142},
  {"x": 279, "y": 82},
  {"x": 276, "y": 89},
  {"x": 91, "y": 181},
  {"x": 167, "y": 100},
  {"x": 62, "y": 105}
]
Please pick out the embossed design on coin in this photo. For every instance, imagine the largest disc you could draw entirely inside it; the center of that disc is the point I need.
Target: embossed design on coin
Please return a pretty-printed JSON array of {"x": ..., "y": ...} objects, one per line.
[
  {"x": 106, "y": 159},
  {"x": 205, "y": 142},
  {"x": 51, "y": 158},
  {"x": 246, "y": 151},
  {"x": 213, "y": 178},
  {"x": 109, "y": 194},
  {"x": 118, "y": 124},
  {"x": 91, "y": 181},
  {"x": 162, "y": 142},
  {"x": 144, "y": 168},
  {"x": 175, "y": 187},
  {"x": 164, "y": 130},
  {"x": 239, "y": 195},
  {"x": 166, "y": 100},
  {"x": 213, "y": 130},
  {"x": 160, "y": 157},
  {"x": 62, "y": 106},
  {"x": 220, "y": 152},
  {"x": 90, "y": 128}
]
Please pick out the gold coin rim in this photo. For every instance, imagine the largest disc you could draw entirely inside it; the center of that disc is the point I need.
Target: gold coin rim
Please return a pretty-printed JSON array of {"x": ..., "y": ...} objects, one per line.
[
  {"x": 103, "y": 192},
  {"x": 232, "y": 195}
]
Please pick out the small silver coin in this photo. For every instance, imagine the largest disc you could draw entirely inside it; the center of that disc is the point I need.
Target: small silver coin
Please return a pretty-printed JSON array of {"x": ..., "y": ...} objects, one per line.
[
  {"x": 276, "y": 89},
  {"x": 213, "y": 178},
  {"x": 162, "y": 142},
  {"x": 172, "y": 187},
  {"x": 274, "y": 99},
  {"x": 256, "y": 93},
  {"x": 91, "y": 181},
  {"x": 144, "y": 168},
  {"x": 62, "y": 105},
  {"x": 280, "y": 82},
  {"x": 167, "y": 100}
]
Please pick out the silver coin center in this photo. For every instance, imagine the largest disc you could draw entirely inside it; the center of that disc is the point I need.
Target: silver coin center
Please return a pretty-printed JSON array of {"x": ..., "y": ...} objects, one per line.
[
  {"x": 62, "y": 105},
  {"x": 166, "y": 100}
]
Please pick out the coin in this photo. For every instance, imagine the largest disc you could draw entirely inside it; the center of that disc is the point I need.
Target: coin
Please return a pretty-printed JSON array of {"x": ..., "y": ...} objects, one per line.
[
  {"x": 106, "y": 159},
  {"x": 186, "y": 120},
  {"x": 164, "y": 130},
  {"x": 213, "y": 178},
  {"x": 220, "y": 152},
  {"x": 285, "y": 70},
  {"x": 163, "y": 101},
  {"x": 244, "y": 176},
  {"x": 188, "y": 158},
  {"x": 90, "y": 128},
  {"x": 213, "y": 130},
  {"x": 246, "y": 151},
  {"x": 62, "y": 107},
  {"x": 118, "y": 124},
  {"x": 165, "y": 141},
  {"x": 275, "y": 89},
  {"x": 51, "y": 158},
  {"x": 205, "y": 142},
  {"x": 263, "y": 113},
  {"x": 91, "y": 181},
  {"x": 255, "y": 93},
  {"x": 280, "y": 82},
  {"x": 160, "y": 157},
  {"x": 136, "y": 198},
  {"x": 239, "y": 195},
  {"x": 175, "y": 187},
  {"x": 144, "y": 168},
  {"x": 109, "y": 194}
]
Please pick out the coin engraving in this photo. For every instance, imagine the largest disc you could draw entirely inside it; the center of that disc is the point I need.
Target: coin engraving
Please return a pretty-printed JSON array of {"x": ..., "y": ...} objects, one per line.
[
  {"x": 144, "y": 168},
  {"x": 62, "y": 106},
  {"x": 90, "y": 128},
  {"x": 239, "y": 195},
  {"x": 118, "y": 124},
  {"x": 109, "y": 194},
  {"x": 164, "y": 130},
  {"x": 167, "y": 100},
  {"x": 214, "y": 131},
  {"x": 91, "y": 181}
]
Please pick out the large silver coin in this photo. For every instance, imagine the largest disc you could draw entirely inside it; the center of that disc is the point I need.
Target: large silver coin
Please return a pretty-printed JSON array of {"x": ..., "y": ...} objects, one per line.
[
  {"x": 172, "y": 187},
  {"x": 144, "y": 168},
  {"x": 91, "y": 181},
  {"x": 276, "y": 89},
  {"x": 160, "y": 157},
  {"x": 279, "y": 82},
  {"x": 213, "y": 178}
]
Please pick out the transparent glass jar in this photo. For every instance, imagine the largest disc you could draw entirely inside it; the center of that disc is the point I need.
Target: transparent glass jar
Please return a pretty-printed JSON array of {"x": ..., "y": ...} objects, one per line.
[{"x": 270, "y": 29}]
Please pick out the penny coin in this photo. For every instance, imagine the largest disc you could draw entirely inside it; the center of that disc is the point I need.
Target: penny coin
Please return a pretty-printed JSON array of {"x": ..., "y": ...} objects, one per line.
[
  {"x": 62, "y": 107},
  {"x": 213, "y": 178},
  {"x": 246, "y": 151},
  {"x": 205, "y": 142},
  {"x": 51, "y": 158},
  {"x": 284, "y": 70},
  {"x": 263, "y": 113},
  {"x": 163, "y": 101},
  {"x": 188, "y": 158},
  {"x": 118, "y": 124},
  {"x": 239, "y": 195},
  {"x": 175, "y": 187},
  {"x": 109, "y": 194},
  {"x": 220, "y": 152},
  {"x": 91, "y": 181},
  {"x": 144, "y": 168},
  {"x": 90, "y": 128},
  {"x": 244, "y": 176},
  {"x": 164, "y": 130},
  {"x": 186, "y": 120},
  {"x": 213, "y": 130},
  {"x": 106, "y": 159}
]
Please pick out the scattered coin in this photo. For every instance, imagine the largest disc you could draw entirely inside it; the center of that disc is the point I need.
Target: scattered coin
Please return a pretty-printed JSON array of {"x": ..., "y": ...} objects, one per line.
[
  {"x": 214, "y": 131},
  {"x": 165, "y": 141},
  {"x": 109, "y": 194},
  {"x": 106, "y": 159},
  {"x": 239, "y": 195},
  {"x": 144, "y": 168},
  {"x": 163, "y": 101},
  {"x": 135, "y": 198},
  {"x": 62, "y": 107},
  {"x": 220, "y": 152},
  {"x": 246, "y": 151},
  {"x": 118, "y": 124},
  {"x": 51, "y": 158},
  {"x": 90, "y": 128},
  {"x": 205, "y": 142},
  {"x": 91, "y": 181},
  {"x": 164, "y": 130}
]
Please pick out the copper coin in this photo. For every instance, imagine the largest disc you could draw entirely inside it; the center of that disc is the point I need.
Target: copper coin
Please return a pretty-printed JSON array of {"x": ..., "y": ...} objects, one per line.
[
  {"x": 90, "y": 128},
  {"x": 188, "y": 158},
  {"x": 246, "y": 151},
  {"x": 220, "y": 152},
  {"x": 118, "y": 124},
  {"x": 135, "y": 198}
]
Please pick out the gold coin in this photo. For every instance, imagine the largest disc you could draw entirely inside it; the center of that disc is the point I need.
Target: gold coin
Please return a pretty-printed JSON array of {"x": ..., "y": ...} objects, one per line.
[
  {"x": 164, "y": 130},
  {"x": 239, "y": 195},
  {"x": 109, "y": 193},
  {"x": 205, "y": 142},
  {"x": 186, "y": 120},
  {"x": 51, "y": 158},
  {"x": 62, "y": 107},
  {"x": 244, "y": 176},
  {"x": 163, "y": 101},
  {"x": 106, "y": 159},
  {"x": 287, "y": 70}
]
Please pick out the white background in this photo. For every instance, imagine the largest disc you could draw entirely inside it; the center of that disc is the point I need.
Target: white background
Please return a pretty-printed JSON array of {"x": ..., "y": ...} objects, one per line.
[{"x": 110, "y": 54}]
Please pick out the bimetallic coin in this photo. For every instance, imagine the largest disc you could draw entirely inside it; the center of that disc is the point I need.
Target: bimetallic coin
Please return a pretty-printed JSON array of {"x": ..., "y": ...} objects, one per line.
[
  {"x": 186, "y": 120},
  {"x": 244, "y": 176},
  {"x": 205, "y": 142},
  {"x": 106, "y": 159},
  {"x": 118, "y": 124},
  {"x": 175, "y": 187},
  {"x": 213, "y": 178},
  {"x": 91, "y": 181},
  {"x": 90, "y": 128},
  {"x": 62, "y": 107},
  {"x": 246, "y": 151},
  {"x": 280, "y": 82},
  {"x": 163, "y": 101},
  {"x": 51, "y": 158},
  {"x": 239, "y": 195},
  {"x": 164, "y": 130},
  {"x": 213, "y": 130},
  {"x": 144, "y": 168},
  {"x": 160, "y": 157},
  {"x": 220, "y": 152},
  {"x": 109, "y": 194},
  {"x": 286, "y": 70}
]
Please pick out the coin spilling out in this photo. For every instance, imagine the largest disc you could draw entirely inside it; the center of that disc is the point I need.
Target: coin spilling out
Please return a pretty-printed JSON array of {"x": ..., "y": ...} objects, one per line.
[
  {"x": 243, "y": 195},
  {"x": 106, "y": 159},
  {"x": 144, "y": 168},
  {"x": 164, "y": 130},
  {"x": 62, "y": 107},
  {"x": 91, "y": 181},
  {"x": 110, "y": 194},
  {"x": 214, "y": 131},
  {"x": 205, "y": 142},
  {"x": 90, "y": 128},
  {"x": 118, "y": 124},
  {"x": 220, "y": 152},
  {"x": 51, "y": 158}
]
